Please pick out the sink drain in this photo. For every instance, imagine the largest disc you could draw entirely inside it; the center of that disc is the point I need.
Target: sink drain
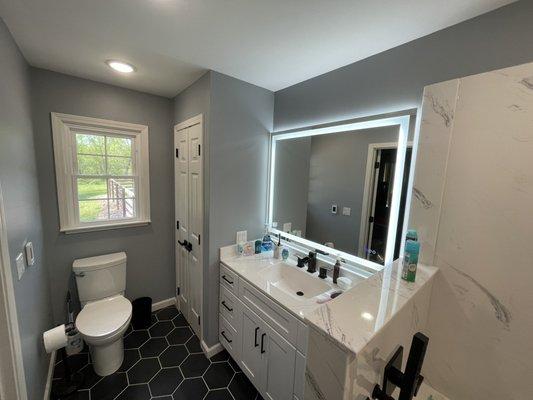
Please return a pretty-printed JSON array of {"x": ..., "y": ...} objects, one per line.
[{"x": 299, "y": 293}]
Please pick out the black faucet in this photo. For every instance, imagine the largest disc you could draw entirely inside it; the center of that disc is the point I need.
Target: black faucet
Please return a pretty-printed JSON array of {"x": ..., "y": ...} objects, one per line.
[
  {"x": 311, "y": 262},
  {"x": 409, "y": 381}
]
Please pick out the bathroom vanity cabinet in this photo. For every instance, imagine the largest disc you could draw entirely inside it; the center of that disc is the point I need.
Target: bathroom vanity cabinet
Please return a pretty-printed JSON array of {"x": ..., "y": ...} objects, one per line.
[{"x": 268, "y": 342}]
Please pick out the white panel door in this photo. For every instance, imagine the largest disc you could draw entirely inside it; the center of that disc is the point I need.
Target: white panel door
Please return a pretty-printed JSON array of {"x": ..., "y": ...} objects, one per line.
[
  {"x": 195, "y": 204},
  {"x": 181, "y": 186}
]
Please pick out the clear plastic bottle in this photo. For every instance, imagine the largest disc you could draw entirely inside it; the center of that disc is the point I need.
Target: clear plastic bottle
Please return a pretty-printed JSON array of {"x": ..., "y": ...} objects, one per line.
[{"x": 267, "y": 240}]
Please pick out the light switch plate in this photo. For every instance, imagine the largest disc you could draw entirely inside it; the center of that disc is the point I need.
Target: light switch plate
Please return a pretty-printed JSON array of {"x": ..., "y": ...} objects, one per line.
[
  {"x": 334, "y": 209},
  {"x": 287, "y": 227},
  {"x": 21, "y": 267},
  {"x": 242, "y": 236},
  {"x": 346, "y": 211}
]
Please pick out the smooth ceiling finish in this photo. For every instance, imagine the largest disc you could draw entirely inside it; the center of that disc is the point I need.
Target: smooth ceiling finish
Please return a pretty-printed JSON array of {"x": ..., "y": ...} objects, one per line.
[{"x": 270, "y": 43}]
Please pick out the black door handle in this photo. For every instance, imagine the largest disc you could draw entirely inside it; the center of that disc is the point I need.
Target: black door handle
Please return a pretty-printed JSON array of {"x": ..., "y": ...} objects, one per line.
[
  {"x": 262, "y": 343},
  {"x": 188, "y": 246},
  {"x": 225, "y": 305},
  {"x": 222, "y": 333},
  {"x": 255, "y": 340},
  {"x": 184, "y": 243},
  {"x": 227, "y": 280}
]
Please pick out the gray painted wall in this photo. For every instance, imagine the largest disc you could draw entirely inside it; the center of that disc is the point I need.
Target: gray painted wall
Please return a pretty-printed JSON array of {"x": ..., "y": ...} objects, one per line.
[
  {"x": 393, "y": 80},
  {"x": 291, "y": 183},
  {"x": 337, "y": 176},
  {"x": 240, "y": 122},
  {"x": 18, "y": 177},
  {"x": 150, "y": 269}
]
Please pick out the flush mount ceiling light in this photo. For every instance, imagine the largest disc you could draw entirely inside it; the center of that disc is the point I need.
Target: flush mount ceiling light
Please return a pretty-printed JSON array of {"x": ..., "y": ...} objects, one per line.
[{"x": 120, "y": 66}]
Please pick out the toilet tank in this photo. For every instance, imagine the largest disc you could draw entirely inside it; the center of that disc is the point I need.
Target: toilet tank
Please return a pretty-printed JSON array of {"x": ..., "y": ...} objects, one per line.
[{"x": 100, "y": 277}]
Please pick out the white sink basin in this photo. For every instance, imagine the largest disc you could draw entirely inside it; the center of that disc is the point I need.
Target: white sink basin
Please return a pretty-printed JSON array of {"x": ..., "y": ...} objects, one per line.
[{"x": 292, "y": 281}]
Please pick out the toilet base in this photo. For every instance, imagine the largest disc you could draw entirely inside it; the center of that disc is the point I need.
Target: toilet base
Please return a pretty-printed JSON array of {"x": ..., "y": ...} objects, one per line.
[{"x": 107, "y": 358}]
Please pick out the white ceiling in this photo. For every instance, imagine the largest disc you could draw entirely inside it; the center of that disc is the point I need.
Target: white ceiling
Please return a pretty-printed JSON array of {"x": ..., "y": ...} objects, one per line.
[{"x": 270, "y": 43}]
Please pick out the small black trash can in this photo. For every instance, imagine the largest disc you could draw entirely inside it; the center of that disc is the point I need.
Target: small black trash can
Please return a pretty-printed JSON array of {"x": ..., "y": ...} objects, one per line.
[{"x": 142, "y": 313}]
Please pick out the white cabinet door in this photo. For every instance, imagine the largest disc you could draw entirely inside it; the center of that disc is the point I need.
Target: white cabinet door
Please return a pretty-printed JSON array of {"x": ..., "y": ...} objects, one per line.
[
  {"x": 280, "y": 359},
  {"x": 252, "y": 361}
]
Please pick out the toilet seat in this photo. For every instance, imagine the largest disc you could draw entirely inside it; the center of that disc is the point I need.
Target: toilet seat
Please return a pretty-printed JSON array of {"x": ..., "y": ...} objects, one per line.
[{"x": 102, "y": 319}]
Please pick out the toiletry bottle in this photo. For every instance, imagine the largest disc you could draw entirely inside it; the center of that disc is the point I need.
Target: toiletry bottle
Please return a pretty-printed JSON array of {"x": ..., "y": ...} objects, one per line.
[
  {"x": 411, "y": 235},
  {"x": 410, "y": 260},
  {"x": 258, "y": 246},
  {"x": 267, "y": 241},
  {"x": 277, "y": 248}
]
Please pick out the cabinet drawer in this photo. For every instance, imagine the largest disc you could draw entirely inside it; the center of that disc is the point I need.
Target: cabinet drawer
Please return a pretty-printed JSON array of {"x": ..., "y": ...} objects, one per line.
[
  {"x": 228, "y": 279},
  {"x": 274, "y": 315},
  {"x": 229, "y": 337},
  {"x": 229, "y": 307}
]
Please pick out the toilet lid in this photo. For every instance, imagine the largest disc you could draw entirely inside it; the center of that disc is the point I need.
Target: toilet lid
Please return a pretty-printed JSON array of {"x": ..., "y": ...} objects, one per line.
[{"x": 103, "y": 317}]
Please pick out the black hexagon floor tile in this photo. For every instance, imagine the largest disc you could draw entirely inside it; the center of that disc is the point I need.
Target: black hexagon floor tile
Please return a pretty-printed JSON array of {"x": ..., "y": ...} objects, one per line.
[
  {"x": 191, "y": 389},
  {"x": 173, "y": 356},
  {"x": 135, "y": 392},
  {"x": 76, "y": 362},
  {"x": 218, "y": 375},
  {"x": 166, "y": 381},
  {"x": 131, "y": 356},
  {"x": 109, "y": 387},
  {"x": 220, "y": 394},
  {"x": 161, "y": 328},
  {"x": 167, "y": 313},
  {"x": 153, "y": 347},
  {"x": 241, "y": 388},
  {"x": 144, "y": 370},
  {"x": 221, "y": 356},
  {"x": 90, "y": 378},
  {"x": 194, "y": 365},
  {"x": 136, "y": 339},
  {"x": 193, "y": 345},
  {"x": 180, "y": 321},
  {"x": 179, "y": 335},
  {"x": 234, "y": 365}
]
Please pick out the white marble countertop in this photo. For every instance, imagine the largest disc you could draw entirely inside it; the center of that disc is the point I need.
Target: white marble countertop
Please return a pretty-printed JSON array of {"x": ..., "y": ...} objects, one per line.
[
  {"x": 356, "y": 316},
  {"x": 353, "y": 318}
]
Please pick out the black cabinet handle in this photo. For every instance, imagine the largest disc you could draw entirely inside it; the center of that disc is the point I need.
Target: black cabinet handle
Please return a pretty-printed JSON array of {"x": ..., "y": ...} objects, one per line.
[
  {"x": 255, "y": 339},
  {"x": 222, "y": 333},
  {"x": 263, "y": 342},
  {"x": 225, "y": 305},
  {"x": 227, "y": 280},
  {"x": 188, "y": 246},
  {"x": 184, "y": 243}
]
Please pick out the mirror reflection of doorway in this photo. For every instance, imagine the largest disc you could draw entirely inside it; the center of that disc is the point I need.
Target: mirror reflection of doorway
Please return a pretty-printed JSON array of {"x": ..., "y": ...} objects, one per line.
[{"x": 379, "y": 202}]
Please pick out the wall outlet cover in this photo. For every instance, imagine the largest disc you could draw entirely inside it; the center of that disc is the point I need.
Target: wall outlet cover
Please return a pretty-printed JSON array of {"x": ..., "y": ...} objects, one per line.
[
  {"x": 346, "y": 211},
  {"x": 30, "y": 256},
  {"x": 21, "y": 266},
  {"x": 242, "y": 237},
  {"x": 287, "y": 227}
]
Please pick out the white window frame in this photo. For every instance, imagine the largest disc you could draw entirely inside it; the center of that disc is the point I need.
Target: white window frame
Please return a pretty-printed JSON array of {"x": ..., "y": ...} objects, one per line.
[{"x": 64, "y": 127}]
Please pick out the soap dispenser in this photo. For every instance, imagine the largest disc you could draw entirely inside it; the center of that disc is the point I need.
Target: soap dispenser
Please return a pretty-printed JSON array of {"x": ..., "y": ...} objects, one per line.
[{"x": 267, "y": 241}]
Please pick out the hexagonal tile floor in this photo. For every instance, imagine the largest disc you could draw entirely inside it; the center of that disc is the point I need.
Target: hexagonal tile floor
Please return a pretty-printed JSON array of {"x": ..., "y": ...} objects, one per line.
[{"x": 163, "y": 362}]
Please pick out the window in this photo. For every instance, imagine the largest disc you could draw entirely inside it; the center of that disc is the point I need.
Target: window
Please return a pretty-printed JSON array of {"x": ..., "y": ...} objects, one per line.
[{"x": 102, "y": 173}]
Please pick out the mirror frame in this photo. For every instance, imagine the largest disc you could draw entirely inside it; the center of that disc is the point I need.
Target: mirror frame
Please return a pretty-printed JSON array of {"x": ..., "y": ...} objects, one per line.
[{"x": 402, "y": 121}]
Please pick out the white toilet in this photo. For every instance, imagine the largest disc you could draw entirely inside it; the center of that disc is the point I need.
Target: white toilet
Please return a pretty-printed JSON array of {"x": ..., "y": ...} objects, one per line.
[{"x": 105, "y": 313}]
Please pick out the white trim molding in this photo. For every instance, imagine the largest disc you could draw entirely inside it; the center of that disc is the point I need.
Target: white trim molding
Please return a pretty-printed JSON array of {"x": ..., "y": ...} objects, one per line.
[
  {"x": 11, "y": 362},
  {"x": 211, "y": 351},
  {"x": 64, "y": 127},
  {"x": 50, "y": 376},
  {"x": 163, "y": 303},
  {"x": 402, "y": 121}
]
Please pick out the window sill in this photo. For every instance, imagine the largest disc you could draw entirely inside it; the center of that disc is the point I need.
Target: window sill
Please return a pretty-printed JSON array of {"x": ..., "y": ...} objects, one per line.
[{"x": 105, "y": 227}]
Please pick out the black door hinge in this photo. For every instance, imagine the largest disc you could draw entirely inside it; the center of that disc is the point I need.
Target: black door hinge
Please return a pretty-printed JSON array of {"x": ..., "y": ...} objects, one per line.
[
  {"x": 177, "y": 153},
  {"x": 177, "y": 224},
  {"x": 371, "y": 219},
  {"x": 376, "y": 165},
  {"x": 199, "y": 149}
]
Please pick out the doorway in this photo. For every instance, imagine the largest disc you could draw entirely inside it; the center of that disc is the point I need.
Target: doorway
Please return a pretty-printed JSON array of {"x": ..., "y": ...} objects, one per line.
[
  {"x": 375, "y": 222},
  {"x": 189, "y": 209}
]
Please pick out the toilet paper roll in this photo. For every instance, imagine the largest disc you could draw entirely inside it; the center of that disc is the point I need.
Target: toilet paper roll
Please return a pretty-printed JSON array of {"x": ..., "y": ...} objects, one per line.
[{"x": 55, "y": 338}]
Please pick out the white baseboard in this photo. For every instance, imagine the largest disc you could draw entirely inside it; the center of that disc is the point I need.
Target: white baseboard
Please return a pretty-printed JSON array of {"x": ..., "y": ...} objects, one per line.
[
  {"x": 211, "y": 351},
  {"x": 163, "y": 303},
  {"x": 48, "y": 387}
]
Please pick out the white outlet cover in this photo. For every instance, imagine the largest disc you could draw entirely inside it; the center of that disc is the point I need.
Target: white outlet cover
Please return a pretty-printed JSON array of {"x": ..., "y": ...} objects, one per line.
[
  {"x": 21, "y": 267},
  {"x": 346, "y": 211},
  {"x": 287, "y": 227},
  {"x": 334, "y": 209}
]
